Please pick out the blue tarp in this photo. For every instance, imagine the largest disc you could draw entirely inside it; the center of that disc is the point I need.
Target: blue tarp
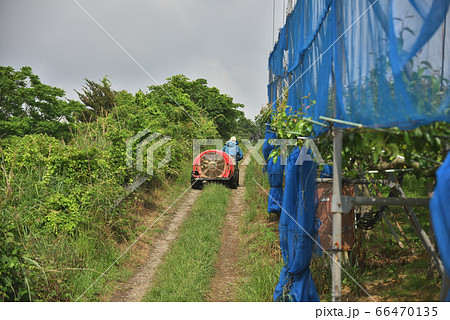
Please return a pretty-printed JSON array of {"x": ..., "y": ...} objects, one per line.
[
  {"x": 297, "y": 230},
  {"x": 440, "y": 213}
]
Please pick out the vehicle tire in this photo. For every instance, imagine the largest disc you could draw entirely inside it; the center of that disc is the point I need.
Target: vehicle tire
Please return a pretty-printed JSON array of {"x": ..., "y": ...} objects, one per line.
[
  {"x": 197, "y": 185},
  {"x": 234, "y": 181}
]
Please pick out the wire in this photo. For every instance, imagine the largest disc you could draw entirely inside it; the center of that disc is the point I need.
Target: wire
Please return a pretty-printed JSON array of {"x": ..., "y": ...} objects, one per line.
[
  {"x": 135, "y": 61},
  {"x": 369, "y": 220}
]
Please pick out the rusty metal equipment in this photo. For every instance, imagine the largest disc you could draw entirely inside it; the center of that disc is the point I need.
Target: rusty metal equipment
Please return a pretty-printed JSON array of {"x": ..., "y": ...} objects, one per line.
[{"x": 324, "y": 213}]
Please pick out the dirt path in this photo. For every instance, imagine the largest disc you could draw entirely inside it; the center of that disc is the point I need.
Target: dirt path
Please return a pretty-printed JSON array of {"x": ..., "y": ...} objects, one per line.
[
  {"x": 223, "y": 285},
  {"x": 136, "y": 288}
]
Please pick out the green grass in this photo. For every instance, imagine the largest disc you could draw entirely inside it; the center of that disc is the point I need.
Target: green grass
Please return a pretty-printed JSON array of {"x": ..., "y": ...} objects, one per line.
[
  {"x": 64, "y": 264},
  {"x": 261, "y": 255},
  {"x": 74, "y": 264},
  {"x": 188, "y": 268}
]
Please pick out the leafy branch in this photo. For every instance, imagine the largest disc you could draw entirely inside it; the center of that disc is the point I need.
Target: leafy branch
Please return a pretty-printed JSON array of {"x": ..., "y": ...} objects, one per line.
[{"x": 421, "y": 149}]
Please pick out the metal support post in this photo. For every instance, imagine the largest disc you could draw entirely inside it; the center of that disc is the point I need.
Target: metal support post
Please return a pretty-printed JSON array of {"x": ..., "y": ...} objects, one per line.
[
  {"x": 336, "y": 200},
  {"x": 336, "y": 208},
  {"x": 389, "y": 201},
  {"x": 396, "y": 223},
  {"x": 393, "y": 232},
  {"x": 429, "y": 247}
]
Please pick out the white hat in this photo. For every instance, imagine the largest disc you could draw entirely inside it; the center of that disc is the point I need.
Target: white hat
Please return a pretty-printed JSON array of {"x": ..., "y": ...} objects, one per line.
[{"x": 233, "y": 139}]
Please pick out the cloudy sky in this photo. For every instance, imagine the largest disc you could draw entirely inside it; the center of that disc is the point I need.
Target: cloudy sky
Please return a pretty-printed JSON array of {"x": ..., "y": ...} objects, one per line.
[{"x": 226, "y": 42}]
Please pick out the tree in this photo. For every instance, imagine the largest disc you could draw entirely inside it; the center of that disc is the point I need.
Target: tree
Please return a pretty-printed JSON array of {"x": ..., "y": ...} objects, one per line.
[
  {"x": 218, "y": 107},
  {"x": 29, "y": 106},
  {"x": 98, "y": 98},
  {"x": 248, "y": 129}
]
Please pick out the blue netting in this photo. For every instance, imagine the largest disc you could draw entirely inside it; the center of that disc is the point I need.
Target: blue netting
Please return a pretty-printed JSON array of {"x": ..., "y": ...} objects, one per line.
[
  {"x": 267, "y": 147},
  {"x": 440, "y": 213},
  {"x": 380, "y": 63},
  {"x": 297, "y": 229},
  {"x": 327, "y": 171},
  {"x": 275, "y": 172},
  {"x": 377, "y": 63}
]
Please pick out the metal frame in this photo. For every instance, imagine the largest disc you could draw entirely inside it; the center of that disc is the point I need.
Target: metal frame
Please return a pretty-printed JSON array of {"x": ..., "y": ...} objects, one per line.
[
  {"x": 389, "y": 201},
  {"x": 343, "y": 204},
  {"x": 337, "y": 210}
]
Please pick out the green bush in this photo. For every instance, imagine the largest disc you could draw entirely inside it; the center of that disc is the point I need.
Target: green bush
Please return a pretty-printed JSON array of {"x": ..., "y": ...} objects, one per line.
[
  {"x": 60, "y": 217},
  {"x": 13, "y": 266}
]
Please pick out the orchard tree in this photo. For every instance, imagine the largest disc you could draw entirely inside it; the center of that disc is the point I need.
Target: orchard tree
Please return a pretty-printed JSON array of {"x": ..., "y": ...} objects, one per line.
[{"x": 29, "y": 106}]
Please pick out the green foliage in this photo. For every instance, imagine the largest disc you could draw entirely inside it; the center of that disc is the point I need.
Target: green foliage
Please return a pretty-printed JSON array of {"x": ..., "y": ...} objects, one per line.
[
  {"x": 15, "y": 265},
  {"x": 99, "y": 99},
  {"x": 216, "y": 106},
  {"x": 29, "y": 106},
  {"x": 247, "y": 129},
  {"x": 57, "y": 194},
  {"x": 71, "y": 178},
  {"x": 158, "y": 112},
  {"x": 289, "y": 125},
  {"x": 422, "y": 148},
  {"x": 60, "y": 222},
  {"x": 265, "y": 115}
]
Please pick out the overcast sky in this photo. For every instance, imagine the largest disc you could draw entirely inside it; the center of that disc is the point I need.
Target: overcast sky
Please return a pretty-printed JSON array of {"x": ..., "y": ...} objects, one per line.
[{"x": 226, "y": 42}]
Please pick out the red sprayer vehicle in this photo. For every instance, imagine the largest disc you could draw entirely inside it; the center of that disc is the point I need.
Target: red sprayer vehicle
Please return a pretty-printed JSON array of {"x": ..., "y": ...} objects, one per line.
[{"x": 217, "y": 166}]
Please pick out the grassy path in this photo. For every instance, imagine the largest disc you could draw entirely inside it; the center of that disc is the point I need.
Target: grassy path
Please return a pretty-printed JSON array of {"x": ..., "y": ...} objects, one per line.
[
  {"x": 225, "y": 250},
  {"x": 188, "y": 268},
  {"x": 224, "y": 284},
  {"x": 136, "y": 287}
]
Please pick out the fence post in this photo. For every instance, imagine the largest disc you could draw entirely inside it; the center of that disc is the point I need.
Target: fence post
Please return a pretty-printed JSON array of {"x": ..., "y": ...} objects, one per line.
[{"x": 336, "y": 208}]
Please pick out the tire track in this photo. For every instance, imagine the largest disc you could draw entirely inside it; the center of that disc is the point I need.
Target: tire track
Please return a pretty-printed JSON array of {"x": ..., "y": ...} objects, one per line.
[
  {"x": 224, "y": 284},
  {"x": 138, "y": 285}
]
